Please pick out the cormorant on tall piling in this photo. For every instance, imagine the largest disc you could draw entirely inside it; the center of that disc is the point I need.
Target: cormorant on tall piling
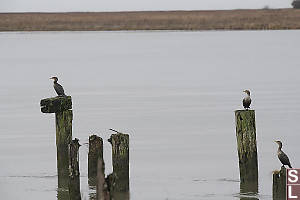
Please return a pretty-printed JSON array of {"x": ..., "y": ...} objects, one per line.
[
  {"x": 284, "y": 159},
  {"x": 247, "y": 100},
  {"x": 58, "y": 88}
]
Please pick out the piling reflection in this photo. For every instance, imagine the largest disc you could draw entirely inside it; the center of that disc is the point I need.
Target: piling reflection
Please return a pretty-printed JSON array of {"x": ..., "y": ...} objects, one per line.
[
  {"x": 92, "y": 183},
  {"x": 92, "y": 188},
  {"x": 113, "y": 194},
  {"x": 248, "y": 198},
  {"x": 121, "y": 195},
  {"x": 249, "y": 190},
  {"x": 63, "y": 189}
]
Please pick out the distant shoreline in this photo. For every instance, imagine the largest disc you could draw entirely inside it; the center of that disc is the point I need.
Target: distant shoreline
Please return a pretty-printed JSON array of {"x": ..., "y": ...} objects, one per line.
[{"x": 259, "y": 19}]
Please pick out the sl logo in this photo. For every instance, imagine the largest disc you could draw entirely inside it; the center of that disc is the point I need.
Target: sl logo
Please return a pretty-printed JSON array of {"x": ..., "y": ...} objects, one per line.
[{"x": 293, "y": 184}]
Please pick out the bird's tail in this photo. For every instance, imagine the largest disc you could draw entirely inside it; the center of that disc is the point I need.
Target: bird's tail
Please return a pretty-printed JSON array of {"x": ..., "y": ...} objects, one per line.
[{"x": 290, "y": 166}]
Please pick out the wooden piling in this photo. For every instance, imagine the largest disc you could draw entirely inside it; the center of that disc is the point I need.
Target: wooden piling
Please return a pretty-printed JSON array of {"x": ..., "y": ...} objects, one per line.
[
  {"x": 102, "y": 189},
  {"x": 112, "y": 182},
  {"x": 56, "y": 104},
  {"x": 95, "y": 155},
  {"x": 279, "y": 184},
  {"x": 63, "y": 122},
  {"x": 74, "y": 174},
  {"x": 61, "y": 106},
  {"x": 246, "y": 145},
  {"x": 116, "y": 185},
  {"x": 120, "y": 161}
]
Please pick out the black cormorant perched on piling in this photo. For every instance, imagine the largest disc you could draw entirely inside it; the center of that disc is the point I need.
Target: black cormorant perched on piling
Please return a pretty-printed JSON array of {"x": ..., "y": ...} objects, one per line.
[
  {"x": 58, "y": 88},
  {"x": 247, "y": 100},
  {"x": 284, "y": 159}
]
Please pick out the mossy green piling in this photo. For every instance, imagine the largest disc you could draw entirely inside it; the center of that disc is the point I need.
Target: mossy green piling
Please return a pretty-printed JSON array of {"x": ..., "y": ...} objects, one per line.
[
  {"x": 61, "y": 106},
  {"x": 74, "y": 174},
  {"x": 95, "y": 154},
  {"x": 246, "y": 146},
  {"x": 279, "y": 184}
]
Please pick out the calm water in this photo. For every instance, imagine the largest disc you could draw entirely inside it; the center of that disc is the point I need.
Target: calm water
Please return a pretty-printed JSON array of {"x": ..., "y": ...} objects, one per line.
[{"x": 173, "y": 92}]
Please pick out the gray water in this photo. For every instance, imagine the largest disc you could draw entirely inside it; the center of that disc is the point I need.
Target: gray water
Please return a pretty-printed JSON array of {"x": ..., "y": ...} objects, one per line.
[{"x": 175, "y": 94}]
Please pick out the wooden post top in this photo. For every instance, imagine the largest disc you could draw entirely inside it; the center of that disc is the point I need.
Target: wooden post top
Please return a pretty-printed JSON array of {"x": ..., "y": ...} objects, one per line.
[
  {"x": 119, "y": 137},
  {"x": 94, "y": 137},
  {"x": 236, "y": 111},
  {"x": 75, "y": 143},
  {"x": 247, "y": 114},
  {"x": 56, "y": 104},
  {"x": 281, "y": 171}
]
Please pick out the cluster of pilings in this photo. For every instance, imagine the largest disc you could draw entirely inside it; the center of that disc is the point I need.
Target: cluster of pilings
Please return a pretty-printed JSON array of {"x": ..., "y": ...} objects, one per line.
[
  {"x": 247, "y": 153},
  {"x": 114, "y": 186}
]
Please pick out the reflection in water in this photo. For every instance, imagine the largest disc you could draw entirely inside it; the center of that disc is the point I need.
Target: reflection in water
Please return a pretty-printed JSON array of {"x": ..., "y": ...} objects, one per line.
[
  {"x": 248, "y": 198},
  {"x": 63, "y": 190},
  {"x": 92, "y": 187},
  {"x": 121, "y": 195},
  {"x": 92, "y": 196},
  {"x": 116, "y": 195},
  {"x": 249, "y": 190}
]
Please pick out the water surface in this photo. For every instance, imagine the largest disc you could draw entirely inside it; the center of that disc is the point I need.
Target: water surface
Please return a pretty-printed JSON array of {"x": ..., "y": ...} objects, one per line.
[{"x": 175, "y": 94}]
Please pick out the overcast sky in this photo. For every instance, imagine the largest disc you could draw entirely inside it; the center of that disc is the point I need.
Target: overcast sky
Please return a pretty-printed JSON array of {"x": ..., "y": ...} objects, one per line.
[{"x": 129, "y": 5}]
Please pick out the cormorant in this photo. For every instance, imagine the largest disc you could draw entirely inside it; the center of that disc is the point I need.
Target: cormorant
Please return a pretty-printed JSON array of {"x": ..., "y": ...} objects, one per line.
[
  {"x": 247, "y": 100},
  {"x": 58, "y": 88},
  {"x": 284, "y": 159}
]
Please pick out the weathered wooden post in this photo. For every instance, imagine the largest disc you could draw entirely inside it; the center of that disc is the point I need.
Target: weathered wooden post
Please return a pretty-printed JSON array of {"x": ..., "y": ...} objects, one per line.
[
  {"x": 61, "y": 106},
  {"x": 247, "y": 150},
  {"x": 94, "y": 156},
  {"x": 116, "y": 185},
  {"x": 102, "y": 189},
  {"x": 279, "y": 184},
  {"x": 74, "y": 174},
  {"x": 120, "y": 161}
]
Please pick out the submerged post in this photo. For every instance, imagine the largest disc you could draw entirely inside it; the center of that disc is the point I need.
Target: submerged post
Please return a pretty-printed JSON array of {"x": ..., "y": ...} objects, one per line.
[
  {"x": 247, "y": 150},
  {"x": 74, "y": 174},
  {"x": 120, "y": 161},
  {"x": 279, "y": 184},
  {"x": 94, "y": 156},
  {"x": 61, "y": 106}
]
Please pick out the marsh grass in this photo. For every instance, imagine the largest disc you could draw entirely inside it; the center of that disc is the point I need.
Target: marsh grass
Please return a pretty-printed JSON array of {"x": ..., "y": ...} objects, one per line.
[{"x": 153, "y": 20}]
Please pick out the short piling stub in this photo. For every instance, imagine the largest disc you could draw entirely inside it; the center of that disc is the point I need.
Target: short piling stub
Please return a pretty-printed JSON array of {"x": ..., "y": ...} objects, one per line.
[
  {"x": 115, "y": 185},
  {"x": 247, "y": 149},
  {"x": 102, "y": 189},
  {"x": 120, "y": 160},
  {"x": 74, "y": 174},
  {"x": 95, "y": 154},
  {"x": 279, "y": 184}
]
